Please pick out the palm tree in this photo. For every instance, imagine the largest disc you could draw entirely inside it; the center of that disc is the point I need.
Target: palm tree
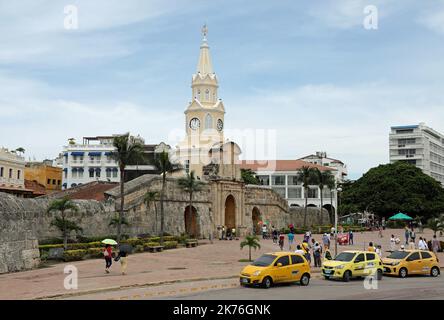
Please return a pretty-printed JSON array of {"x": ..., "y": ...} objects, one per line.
[
  {"x": 322, "y": 178},
  {"x": 251, "y": 242},
  {"x": 190, "y": 184},
  {"x": 63, "y": 224},
  {"x": 306, "y": 175},
  {"x": 148, "y": 198},
  {"x": 115, "y": 222},
  {"x": 127, "y": 151},
  {"x": 163, "y": 163},
  {"x": 435, "y": 224},
  {"x": 331, "y": 185}
]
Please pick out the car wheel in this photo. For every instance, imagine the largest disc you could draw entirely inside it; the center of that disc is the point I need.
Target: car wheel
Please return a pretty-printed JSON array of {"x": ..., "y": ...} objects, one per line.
[
  {"x": 347, "y": 275},
  {"x": 326, "y": 277},
  {"x": 434, "y": 272},
  {"x": 403, "y": 272},
  {"x": 305, "y": 279},
  {"x": 267, "y": 282},
  {"x": 379, "y": 274}
]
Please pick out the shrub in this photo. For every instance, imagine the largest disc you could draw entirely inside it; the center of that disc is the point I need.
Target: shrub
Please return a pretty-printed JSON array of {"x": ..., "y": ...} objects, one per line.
[
  {"x": 169, "y": 238},
  {"x": 139, "y": 248},
  {"x": 74, "y": 255},
  {"x": 154, "y": 239},
  {"x": 133, "y": 241},
  {"x": 170, "y": 244},
  {"x": 46, "y": 247},
  {"x": 150, "y": 244},
  {"x": 95, "y": 252}
]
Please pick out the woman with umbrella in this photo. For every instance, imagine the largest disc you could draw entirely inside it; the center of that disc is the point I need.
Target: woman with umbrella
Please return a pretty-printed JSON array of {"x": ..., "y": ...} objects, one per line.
[
  {"x": 108, "y": 253},
  {"x": 124, "y": 250}
]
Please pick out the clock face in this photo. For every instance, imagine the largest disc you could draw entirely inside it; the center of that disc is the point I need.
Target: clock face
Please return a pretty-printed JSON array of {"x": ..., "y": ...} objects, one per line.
[
  {"x": 220, "y": 124},
  {"x": 194, "y": 123}
]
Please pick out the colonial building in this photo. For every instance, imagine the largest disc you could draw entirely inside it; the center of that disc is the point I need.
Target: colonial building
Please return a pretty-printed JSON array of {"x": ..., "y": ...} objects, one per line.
[
  {"x": 92, "y": 161},
  {"x": 421, "y": 146},
  {"x": 321, "y": 158},
  {"x": 12, "y": 174},
  {"x": 281, "y": 176},
  {"x": 45, "y": 174}
]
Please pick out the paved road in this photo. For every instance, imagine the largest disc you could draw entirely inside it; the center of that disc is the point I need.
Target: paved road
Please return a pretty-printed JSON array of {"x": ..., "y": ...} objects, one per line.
[{"x": 388, "y": 288}]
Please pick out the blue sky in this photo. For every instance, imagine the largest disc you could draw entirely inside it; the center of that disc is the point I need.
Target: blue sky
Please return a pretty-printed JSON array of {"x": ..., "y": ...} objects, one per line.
[{"x": 307, "y": 69}]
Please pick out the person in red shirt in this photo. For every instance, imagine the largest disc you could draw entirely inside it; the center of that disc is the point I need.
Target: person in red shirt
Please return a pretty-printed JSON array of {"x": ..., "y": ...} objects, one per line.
[
  {"x": 108, "y": 253},
  {"x": 281, "y": 240}
]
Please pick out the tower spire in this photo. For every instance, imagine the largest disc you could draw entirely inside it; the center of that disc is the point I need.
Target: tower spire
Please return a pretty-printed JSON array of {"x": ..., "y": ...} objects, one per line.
[{"x": 204, "y": 65}]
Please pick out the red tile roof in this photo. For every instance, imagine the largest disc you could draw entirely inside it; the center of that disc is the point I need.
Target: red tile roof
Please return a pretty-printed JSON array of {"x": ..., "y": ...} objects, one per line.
[
  {"x": 89, "y": 191},
  {"x": 37, "y": 188},
  {"x": 279, "y": 165}
]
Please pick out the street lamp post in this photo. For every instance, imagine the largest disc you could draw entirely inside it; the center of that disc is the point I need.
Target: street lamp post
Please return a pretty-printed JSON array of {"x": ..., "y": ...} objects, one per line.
[{"x": 336, "y": 221}]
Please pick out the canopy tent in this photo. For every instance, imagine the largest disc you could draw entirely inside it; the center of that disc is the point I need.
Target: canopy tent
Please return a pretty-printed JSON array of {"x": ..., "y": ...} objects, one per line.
[{"x": 400, "y": 216}]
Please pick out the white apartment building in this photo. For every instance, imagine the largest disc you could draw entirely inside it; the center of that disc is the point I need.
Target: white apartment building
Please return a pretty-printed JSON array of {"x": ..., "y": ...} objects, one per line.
[
  {"x": 421, "y": 146},
  {"x": 89, "y": 161},
  {"x": 320, "y": 158},
  {"x": 281, "y": 176}
]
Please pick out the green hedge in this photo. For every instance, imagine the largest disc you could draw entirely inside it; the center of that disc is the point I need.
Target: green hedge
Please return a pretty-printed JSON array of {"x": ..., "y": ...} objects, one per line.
[
  {"x": 73, "y": 246},
  {"x": 95, "y": 252},
  {"x": 74, "y": 255},
  {"x": 150, "y": 244},
  {"x": 134, "y": 241},
  {"x": 170, "y": 244}
]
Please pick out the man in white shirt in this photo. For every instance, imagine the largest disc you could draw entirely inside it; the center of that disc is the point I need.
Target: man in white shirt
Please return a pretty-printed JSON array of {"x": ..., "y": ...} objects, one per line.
[
  {"x": 422, "y": 245},
  {"x": 392, "y": 243}
]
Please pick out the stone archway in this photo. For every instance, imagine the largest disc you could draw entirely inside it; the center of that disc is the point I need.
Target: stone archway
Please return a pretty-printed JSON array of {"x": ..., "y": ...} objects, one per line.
[
  {"x": 256, "y": 216},
  {"x": 230, "y": 212},
  {"x": 331, "y": 211},
  {"x": 191, "y": 224}
]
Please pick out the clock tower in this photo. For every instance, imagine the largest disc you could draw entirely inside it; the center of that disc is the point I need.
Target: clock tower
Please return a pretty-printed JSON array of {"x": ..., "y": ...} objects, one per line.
[{"x": 204, "y": 116}]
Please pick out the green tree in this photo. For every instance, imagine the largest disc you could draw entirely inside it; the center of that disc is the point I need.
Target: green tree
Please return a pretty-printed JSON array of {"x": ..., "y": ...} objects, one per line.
[
  {"x": 128, "y": 150},
  {"x": 391, "y": 188},
  {"x": 435, "y": 224},
  {"x": 62, "y": 223},
  {"x": 331, "y": 185},
  {"x": 149, "y": 198},
  {"x": 190, "y": 184},
  {"x": 163, "y": 163},
  {"x": 20, "y": 150},
  {"x": 324, "y": 179},
  {"x": 251, "y": 242},
  {"x": 115, "y": 222},
  {"x": 307, "y": 176},
  {"x": 249, "y": 177}
]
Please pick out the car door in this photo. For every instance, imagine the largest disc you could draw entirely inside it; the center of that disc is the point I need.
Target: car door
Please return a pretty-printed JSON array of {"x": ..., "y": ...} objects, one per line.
[
  {"x": 371, "y": 264},
  {"x": 282, "y": 273},
  {"x": 414, "y": 264},
  {"x": 427, "y": 261},
  {"x": 359, "y": 265},
  {"x": 297, "y": 266}
]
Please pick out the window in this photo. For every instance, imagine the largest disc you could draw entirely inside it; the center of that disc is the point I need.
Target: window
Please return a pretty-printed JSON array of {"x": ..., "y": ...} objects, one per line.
[
  {"x": 360, "y": 258},
  {"x": 406, "y": 152},
  {"x": 292, "y": 180},
  {"x": 312, "y": 193},
  {"x": 294, "y": 193},
  {"x": 98, "y": 173},
  {"x": 91, "y": 173},
  {"x": 73, "y": 175},
  {"x": 297, "y": 259},
  {"x": 198, "y": 94},
  {"x": 264, "y": 180},
  {"x": 53, "y": 181},
  {"x": 115, "y": 173},
  {"x": 59, "y": 182},
  {"x": 108, "y": 173},
  {"x": 1, "y": 171},
  {"x": 207, "y": 95},
  {"x": 10, "y": 173},
  {"x": 426, "y": 255},
  {"x": 187, "y": 166},
  {"x": 370, "y": 256},
  {"x": 278, "y": 180},
  {"x": 285, "y": 260},
  {"x": 208, "y": 121},
  {"x": 18, "y": 174},
  {"x": 280, "y": 191},
  {"x": 414, "y": 256},
  {"x": 402, "y": 131}
]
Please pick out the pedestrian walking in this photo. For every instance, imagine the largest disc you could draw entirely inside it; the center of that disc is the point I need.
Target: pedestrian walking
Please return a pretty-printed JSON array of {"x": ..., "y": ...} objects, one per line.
[
  {"x": 422, "y": 244},
  {"x": 412, "y": 245},
  {"x": 392, "y": 243},
  {"x": 407, "y": 235},
  {"x": 223, "y": 233},
  {"x": 379, "y": 250},
  {"x": 436, "y": 245},
  {"x": 380, "y": 232},
  {"x": 317, "y": 254},
  {"x": 350, "y": 237},
  {"x": 264, "y": 231},
  {"x": 326, "y": 241},
  {"x": 108, "y": 254},
  {"x": 281, "y": 241},
  {"x": 371, "y": 247},
  {"x": 290, "y": 240},
  {"x": 306, "y": 248},
  {"x": 412, "y": 235},
  {"x": 124, "y": 250},
  {"x": 275, "y": 236}
]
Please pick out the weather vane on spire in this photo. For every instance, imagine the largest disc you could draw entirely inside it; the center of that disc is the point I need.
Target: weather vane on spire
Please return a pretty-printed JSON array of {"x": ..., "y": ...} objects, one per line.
[{"x": 204, "y": 31}]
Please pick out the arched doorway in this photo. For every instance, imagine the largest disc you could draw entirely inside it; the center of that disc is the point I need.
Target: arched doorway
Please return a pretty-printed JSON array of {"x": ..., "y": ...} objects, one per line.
[
  {"x": 191, "y": 225},
  {"x": 256, "y": 216},
  {"x": 311, "y": 206},
  {"x": 331, "y": 212},
  {"x": 230, "y": 212}
]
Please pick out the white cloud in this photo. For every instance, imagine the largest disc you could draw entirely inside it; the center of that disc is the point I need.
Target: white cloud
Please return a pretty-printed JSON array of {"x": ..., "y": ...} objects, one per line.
[{"x": 433, "y": 19}]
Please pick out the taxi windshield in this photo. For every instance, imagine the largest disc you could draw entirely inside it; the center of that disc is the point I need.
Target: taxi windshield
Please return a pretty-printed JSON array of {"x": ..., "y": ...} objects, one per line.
[
  {"x": 398, "y": 255},
  {"x": 345, "y": 256},
  {"x": 264, "y": 261}
]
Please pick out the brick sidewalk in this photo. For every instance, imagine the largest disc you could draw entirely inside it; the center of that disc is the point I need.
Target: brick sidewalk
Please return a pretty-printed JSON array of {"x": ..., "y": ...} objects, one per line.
[{"x": 217, "y": 260}]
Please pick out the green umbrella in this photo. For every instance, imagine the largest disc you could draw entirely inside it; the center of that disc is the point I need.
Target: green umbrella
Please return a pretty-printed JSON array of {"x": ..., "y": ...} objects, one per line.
[
  {"x": 400, "y": 216},
  {"x": 109, "y": 241}
]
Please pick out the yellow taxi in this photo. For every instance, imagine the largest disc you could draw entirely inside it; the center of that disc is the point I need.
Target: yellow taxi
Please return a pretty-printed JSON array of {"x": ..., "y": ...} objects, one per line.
[
  {"x": 414, "y": 262},
  {"x": 278, "y": 267},
  {"x": 353, "y": 264}
]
